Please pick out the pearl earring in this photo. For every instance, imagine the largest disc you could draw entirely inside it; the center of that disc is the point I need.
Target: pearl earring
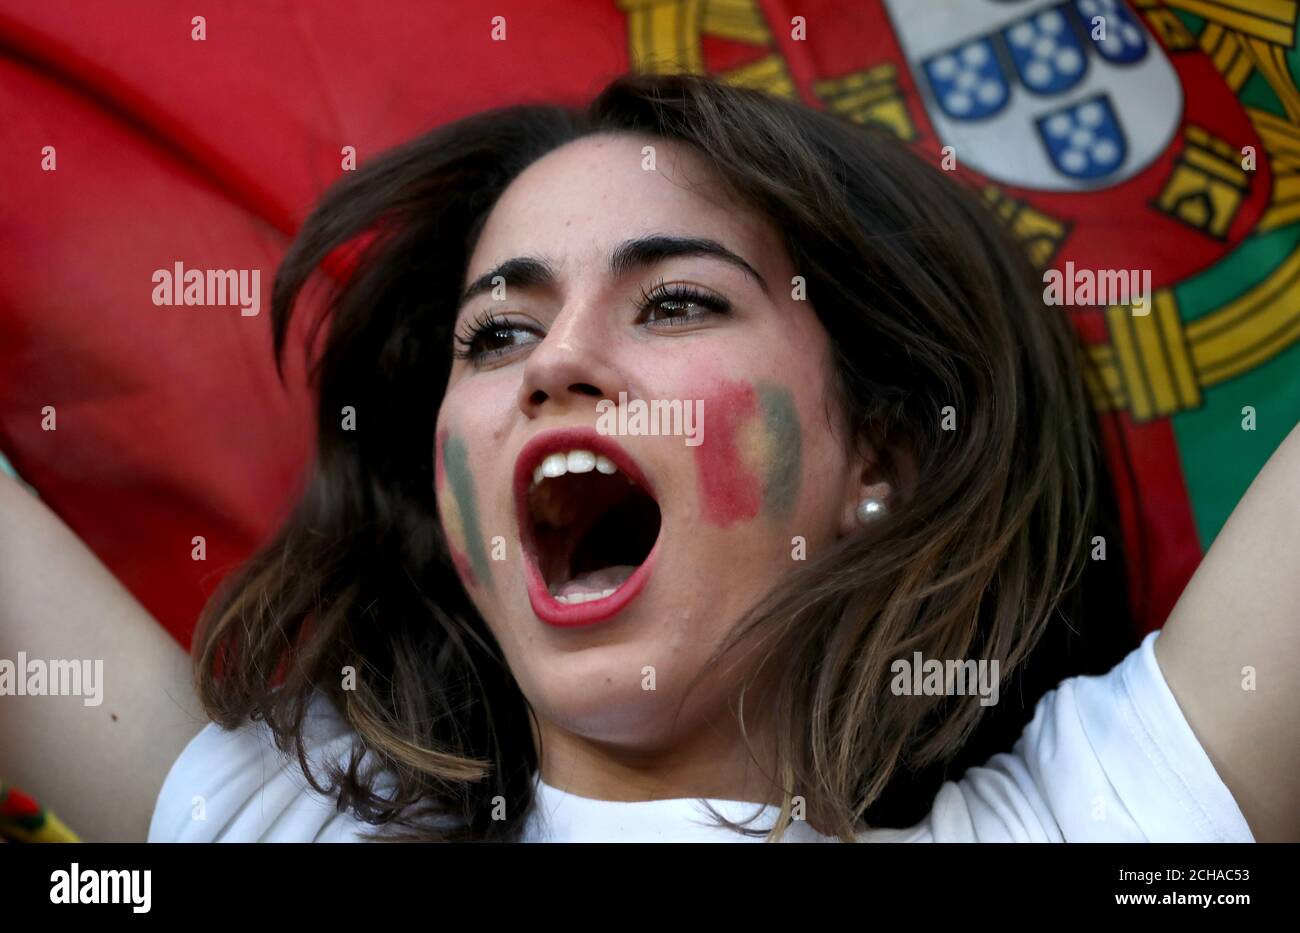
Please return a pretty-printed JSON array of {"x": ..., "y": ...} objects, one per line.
[{"x": 869, "y": 510}]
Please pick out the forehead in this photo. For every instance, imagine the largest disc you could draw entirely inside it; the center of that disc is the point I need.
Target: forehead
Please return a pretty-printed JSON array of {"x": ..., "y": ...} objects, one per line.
[{"x": 576, "y": 204}]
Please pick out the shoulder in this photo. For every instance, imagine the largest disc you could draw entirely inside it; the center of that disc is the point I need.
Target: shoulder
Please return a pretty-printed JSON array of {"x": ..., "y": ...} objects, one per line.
[
  {"x": 1108, "y": 758},
  {"x": 237, "y": 786}
]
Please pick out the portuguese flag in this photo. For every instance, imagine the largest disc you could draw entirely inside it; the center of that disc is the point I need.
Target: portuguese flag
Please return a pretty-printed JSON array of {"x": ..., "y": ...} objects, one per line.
[{"x": 1167, "y": 140}]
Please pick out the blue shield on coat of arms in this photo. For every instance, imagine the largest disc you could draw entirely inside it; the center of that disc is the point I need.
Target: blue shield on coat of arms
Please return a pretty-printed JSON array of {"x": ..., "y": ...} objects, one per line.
[
  {"x": 967, "y": 82},
  {"x": 1047, "y": 53},
  {"x": 1084, "y": 139},
  {"x": 1043, "y": 94},
  {"x": 1125, "y": 40}
]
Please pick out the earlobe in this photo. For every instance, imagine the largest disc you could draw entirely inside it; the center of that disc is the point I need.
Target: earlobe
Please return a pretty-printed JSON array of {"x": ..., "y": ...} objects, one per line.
[{"x": 877, "y": 490}]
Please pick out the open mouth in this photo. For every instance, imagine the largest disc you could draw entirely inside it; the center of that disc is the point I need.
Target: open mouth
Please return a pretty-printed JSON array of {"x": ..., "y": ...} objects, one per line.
[{"x": 589, "y": 525}]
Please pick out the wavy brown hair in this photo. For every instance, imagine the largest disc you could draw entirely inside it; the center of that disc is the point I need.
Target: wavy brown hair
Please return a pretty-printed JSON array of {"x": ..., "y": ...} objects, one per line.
[{"x": 928, "y": 304}]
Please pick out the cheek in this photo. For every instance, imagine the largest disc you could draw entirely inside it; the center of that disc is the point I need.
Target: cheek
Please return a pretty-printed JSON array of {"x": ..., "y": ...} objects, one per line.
[
  {"x": 458, "y": 510},
  {"x": 751, "y": 457}
]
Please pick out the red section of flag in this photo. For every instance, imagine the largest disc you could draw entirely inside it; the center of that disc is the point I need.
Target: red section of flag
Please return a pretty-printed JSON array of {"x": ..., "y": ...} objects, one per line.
[
  {"x": 211, "y": 153},
  {"x": 1160, "y": 538}
]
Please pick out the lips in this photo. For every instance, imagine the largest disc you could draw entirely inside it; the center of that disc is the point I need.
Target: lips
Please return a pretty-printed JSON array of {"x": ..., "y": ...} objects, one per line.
[{"x": 589, "y": 524}]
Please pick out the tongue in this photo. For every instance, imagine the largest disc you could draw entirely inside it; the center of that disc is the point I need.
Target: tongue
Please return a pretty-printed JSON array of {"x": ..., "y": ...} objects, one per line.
[{"x": 594, "y": 581}]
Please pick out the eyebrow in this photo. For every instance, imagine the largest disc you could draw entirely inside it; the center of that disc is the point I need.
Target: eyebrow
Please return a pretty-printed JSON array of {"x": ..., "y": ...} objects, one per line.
[{"x": 526, "y": 272}]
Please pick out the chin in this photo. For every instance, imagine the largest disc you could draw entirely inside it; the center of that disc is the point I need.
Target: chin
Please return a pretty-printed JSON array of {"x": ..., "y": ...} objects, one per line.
[{"x": 600, "y": 691}]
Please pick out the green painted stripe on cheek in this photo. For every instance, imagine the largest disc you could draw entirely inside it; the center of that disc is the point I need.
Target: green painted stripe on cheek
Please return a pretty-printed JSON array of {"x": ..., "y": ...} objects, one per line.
[
  {"x": 455, "y": 463},
  {"x": 781, "y": 420}
]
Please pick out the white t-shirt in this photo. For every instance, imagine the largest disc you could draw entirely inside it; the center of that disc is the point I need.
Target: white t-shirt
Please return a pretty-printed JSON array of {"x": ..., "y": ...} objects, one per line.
[{"x": 1105, "y": 759}]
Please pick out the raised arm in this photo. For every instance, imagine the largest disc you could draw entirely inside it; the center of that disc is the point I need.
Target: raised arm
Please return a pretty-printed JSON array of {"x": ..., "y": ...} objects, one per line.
[
  {"x": 99, "y": 767},
  {"x": 1231, "y": 650}
]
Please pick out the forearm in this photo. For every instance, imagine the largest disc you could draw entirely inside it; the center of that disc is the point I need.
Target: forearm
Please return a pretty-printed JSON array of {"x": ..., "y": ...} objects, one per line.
[{"x": 99, "y": 766}]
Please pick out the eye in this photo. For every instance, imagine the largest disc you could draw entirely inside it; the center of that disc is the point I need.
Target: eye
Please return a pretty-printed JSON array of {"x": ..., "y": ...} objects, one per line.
[
  {"x": 488, "y": 337},
  {"x": 678, "y": 304}
]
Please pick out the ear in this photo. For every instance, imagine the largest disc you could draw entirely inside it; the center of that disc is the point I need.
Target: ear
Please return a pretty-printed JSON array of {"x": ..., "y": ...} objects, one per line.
[{"x": 887, "y": 474}]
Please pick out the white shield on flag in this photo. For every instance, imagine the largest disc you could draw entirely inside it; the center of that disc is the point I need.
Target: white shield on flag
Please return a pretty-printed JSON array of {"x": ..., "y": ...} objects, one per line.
[{"x": 1027, "y": 96}]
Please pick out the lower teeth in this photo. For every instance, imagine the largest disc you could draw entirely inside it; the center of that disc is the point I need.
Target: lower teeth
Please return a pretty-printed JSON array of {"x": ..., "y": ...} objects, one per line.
[{"x": 584, "y": 597}]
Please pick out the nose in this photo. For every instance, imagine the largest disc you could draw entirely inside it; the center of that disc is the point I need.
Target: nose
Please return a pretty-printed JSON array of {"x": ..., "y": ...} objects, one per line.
[{"x": 571, "y": 367}]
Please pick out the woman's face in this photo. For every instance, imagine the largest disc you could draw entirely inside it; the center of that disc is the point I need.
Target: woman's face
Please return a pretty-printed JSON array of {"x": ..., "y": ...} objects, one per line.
[{"x": 610, "y": 580}]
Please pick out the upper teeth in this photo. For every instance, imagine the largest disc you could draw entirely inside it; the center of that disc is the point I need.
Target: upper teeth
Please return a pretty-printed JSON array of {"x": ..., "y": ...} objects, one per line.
[{"x": 572, "y": 461}]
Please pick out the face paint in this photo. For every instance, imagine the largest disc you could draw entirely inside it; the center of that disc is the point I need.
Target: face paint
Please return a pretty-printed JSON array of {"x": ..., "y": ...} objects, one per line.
[
  {"x": 784, "y": 449},
  {"x": 751, "y": 458},
  {"x": 458, "y": 508}
]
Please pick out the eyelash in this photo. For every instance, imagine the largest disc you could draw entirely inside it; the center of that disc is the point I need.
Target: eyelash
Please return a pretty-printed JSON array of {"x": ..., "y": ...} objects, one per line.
[
  {"x": 467, "y": 338},
  {"x": 684, "y": 294}
]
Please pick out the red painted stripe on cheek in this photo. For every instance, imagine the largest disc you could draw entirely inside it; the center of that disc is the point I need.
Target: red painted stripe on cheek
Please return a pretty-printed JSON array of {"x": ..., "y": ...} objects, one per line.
[
  {"x": 461, "y": 563},
  {"x": 729, "y": 492}
]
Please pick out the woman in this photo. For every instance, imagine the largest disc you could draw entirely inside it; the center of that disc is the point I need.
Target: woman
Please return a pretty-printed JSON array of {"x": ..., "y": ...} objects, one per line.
[{"x": 491, "y": 619}]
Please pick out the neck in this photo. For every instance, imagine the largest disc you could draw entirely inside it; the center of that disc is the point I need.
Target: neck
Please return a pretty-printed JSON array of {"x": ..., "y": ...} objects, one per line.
[{"x": 711, "y": 762}]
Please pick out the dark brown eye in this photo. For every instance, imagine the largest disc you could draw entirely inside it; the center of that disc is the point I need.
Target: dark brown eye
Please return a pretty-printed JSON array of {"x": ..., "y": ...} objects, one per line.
[
  {"x": 497, "y": 338},
  {"x": 670, "y": 309},
  {"x": 488, "y": 337},
  {"x": 679, "y": 304}
]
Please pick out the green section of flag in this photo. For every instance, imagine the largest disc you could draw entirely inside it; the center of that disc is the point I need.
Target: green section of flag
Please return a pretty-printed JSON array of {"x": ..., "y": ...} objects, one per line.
[
  {"x": 1219, "y": 458},
  {"x": 1258, "y": 93},
  {"x": 1239, "y": 272},
  {"x": 1191, "y": 21}
]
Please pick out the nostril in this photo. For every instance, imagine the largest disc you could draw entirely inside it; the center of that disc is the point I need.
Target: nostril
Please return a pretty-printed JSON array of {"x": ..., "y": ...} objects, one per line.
[{"x": 540, "y": 396}]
